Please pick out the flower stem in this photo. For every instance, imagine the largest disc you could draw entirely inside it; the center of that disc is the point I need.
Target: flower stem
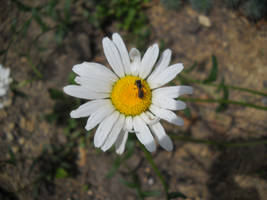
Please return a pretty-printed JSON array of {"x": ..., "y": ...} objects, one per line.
[
  {"x": 226, "y": 102},
  {"x": 190, "y": 80},
  {"x": 156, "y": 170},
  {"x": 217, "y": 143}
]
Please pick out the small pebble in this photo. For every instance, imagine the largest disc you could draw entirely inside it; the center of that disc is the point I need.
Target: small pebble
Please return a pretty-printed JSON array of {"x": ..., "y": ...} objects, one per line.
[
  {"x": 9, "y": 137},
  {"x": 204, "y": 20},
  {"x": 21, "y": 141},
  {"x": 150, "y": 181}
]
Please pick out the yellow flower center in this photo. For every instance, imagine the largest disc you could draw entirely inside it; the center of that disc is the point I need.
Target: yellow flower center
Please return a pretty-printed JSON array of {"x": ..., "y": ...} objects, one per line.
[{"x": 131, "y": 95}]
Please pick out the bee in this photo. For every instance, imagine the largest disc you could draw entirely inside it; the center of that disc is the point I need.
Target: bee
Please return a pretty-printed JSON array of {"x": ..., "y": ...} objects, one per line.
[{"x": 139, "y": 85}]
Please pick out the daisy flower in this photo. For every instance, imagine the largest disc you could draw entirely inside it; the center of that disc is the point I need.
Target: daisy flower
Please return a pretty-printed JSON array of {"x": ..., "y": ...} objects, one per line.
[
  {"x": 130, "y": 98},
  {"x": 4, "y": 83}
]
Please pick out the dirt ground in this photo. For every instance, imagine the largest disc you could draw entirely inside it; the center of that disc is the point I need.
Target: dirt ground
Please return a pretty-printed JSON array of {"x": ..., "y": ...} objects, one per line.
[{"x": 199, "y": 171}]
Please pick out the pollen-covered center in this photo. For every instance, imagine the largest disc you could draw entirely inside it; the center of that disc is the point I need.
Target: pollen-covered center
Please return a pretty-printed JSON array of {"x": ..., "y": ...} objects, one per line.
[{"x": 131, "y": 95}]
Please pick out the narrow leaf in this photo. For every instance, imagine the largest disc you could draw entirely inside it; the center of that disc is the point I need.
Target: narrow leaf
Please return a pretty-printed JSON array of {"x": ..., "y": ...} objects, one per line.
[
  {"x": 26, "y": 26},
  {"x": 151, "y": 193},
  {"x": 61, "y": 173},
  {"x": 191, "y": 68},
  {"x": 214, "y": 71},
  {"x": 128, "y": 183},
  {"x": 223, "y": 106},
  {"x": 39, "y": 20},
  {"x": 56, "y": 94}
]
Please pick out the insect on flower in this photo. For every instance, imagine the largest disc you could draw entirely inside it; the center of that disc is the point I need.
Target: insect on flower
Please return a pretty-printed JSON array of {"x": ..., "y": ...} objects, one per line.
[{"x": 138, "y": 83}]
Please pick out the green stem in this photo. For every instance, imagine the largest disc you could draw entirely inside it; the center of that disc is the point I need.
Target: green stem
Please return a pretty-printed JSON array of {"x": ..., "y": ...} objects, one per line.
[
  {"x": 219, "y": 144},
  {"x": 190, "y": 80},
  {"x": 156, "y": 170},
  {"x": 240, "y": 103},
  {"x": 34, "y": 67}
]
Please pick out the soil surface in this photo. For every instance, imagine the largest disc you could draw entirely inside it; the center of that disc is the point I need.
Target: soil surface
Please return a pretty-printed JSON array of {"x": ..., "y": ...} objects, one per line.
[{"x": 200, "y": 171}]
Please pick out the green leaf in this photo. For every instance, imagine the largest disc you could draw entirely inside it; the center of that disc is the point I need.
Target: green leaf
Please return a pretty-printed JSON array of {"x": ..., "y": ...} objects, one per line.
[
  {"x": 150, "y": 193},
  {"x": 71, "y": 78},
  {"x": 187, "y": 112},
  {"x": 50, "y": 9},
  {"x": 214, "y": 71},
  {"x": 223, "y": 106},
  {"x": 39, "y": 21},
  {"x": 191, "y": 68},
  {"x": 86, "y": 187},
  {"x": 56, "y": 94},
  {"x": 67, "y": 11},
  {"x": 61, "y": 173},
  {"x": 173, "y": 195},
  {"x": 129, "y": 149},
  {"x": 128, "y": 183},
  {"x": 129, "y": 19},
  {"x": 60, "y": 33},
  {"x": 119, "y": 160},
  {"x": 26, "y": 26}
]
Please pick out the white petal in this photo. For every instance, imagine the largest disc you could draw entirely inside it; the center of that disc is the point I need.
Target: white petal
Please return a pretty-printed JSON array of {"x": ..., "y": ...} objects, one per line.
[
  {"x": 123, "y": 52},
  {"x": 2, "y": 92},
  {"x": 167, "y": 115},
  {"x": 168, "y": 103},
  {"x": 129, "y": 124},
  {"x": 163, "y": 139},
  {"x": 98, "y": 116},
  {"x": 135, "y": 56},
  {"x": 113, "y": 56},
  {"x": 113, "y": 135},
  {"x": 88, "y": 108},
  {"x": 166, "y": 76},
  {"x": 104, "y": 129},
  {"x": 94, "y": 84},
  {"x": 4, "y": 74},
  {"x": 173, "y": 91},
  {"x": 149, "y": 118},
  {"x": 148, "y": 61},
  {"x": 143, "y": 134},
  {"x": 162, "y": 64},
  {"x": 94, "y": 70},
  {"x": 84, "y": 93},
  {"x": 121, "y": 141}
]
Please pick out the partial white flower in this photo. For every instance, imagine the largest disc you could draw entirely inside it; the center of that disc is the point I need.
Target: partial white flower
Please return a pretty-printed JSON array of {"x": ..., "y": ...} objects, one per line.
[
  {"x": 130, "y": 98},
  {"x": 4, "y": 83}
]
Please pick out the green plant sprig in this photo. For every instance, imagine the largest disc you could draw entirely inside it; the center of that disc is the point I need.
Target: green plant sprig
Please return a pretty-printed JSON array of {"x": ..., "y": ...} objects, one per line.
[
  {"x": 216, "y": 143},
  {"x": 240, "y": 103},
  {"x": 186, "y": 78}
]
